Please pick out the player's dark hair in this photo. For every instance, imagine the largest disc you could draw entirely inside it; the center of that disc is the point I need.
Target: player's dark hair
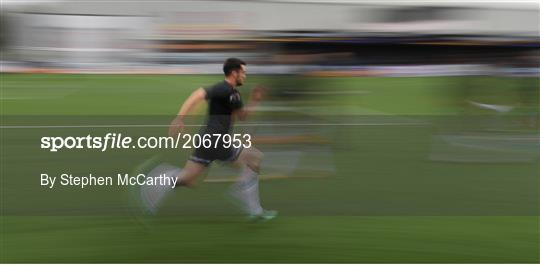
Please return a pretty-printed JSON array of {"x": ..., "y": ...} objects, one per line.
[{"x": 232, "y": 64}]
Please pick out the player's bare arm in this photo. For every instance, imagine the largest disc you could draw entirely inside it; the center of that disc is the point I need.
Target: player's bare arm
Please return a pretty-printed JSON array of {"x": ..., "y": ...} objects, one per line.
[
  {"x": 191, "y": 102},
  {"x": 256, "y": 97}
]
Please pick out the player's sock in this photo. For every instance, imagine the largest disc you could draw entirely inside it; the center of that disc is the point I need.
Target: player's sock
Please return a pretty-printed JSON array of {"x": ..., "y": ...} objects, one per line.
[
  {"x": 246, "y": 189},
  {"x": 153, "y": 195},
  {"x": 179, "y": 180}
]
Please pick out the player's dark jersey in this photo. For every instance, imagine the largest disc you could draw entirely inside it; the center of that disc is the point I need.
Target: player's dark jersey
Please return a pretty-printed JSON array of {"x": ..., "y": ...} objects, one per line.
[{"x": 223, "y": 100}]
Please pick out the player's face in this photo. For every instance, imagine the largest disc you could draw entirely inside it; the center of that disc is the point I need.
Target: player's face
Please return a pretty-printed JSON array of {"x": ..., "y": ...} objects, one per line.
[{"x": 241, "y": 76}]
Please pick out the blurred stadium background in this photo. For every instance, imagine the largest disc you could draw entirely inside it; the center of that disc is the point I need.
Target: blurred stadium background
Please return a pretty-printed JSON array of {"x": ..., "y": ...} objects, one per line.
[{"x": 394, "y": 131}]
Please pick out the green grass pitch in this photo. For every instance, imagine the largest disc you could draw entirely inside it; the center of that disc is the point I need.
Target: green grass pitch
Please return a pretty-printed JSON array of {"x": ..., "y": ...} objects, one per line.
[{"x": 384, "y": 201}]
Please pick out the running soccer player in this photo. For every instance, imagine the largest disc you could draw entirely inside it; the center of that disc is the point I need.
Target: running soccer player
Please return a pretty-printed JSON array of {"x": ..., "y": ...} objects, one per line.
[{"x": 224, "y": 106}]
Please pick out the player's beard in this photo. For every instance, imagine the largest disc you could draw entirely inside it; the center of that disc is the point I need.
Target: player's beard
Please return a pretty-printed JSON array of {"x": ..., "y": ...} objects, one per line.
[{"x": 239, "y": 82}]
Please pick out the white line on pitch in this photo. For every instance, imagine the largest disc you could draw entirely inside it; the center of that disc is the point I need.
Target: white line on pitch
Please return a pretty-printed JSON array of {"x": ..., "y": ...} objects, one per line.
[
  {"x": 339, "y": 92},
  {"x": 199, "y": 125}
]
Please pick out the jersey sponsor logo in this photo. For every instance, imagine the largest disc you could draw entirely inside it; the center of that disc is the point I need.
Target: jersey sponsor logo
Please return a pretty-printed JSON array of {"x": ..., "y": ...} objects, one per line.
[{"x": 233, "y": 98}]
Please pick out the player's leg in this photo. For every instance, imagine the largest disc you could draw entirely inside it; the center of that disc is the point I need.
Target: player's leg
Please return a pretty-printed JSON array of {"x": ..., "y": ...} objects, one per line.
[
  {"x": 250, "y": 157},
  {"x": 153, "y": 195},
  {"x": 246, "y": 189},
  {"x": 190, "y": 173}
]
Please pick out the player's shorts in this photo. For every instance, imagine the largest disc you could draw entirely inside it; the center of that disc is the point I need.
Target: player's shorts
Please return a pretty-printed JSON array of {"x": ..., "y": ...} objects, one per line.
[{"x": 206, "y": 156}]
